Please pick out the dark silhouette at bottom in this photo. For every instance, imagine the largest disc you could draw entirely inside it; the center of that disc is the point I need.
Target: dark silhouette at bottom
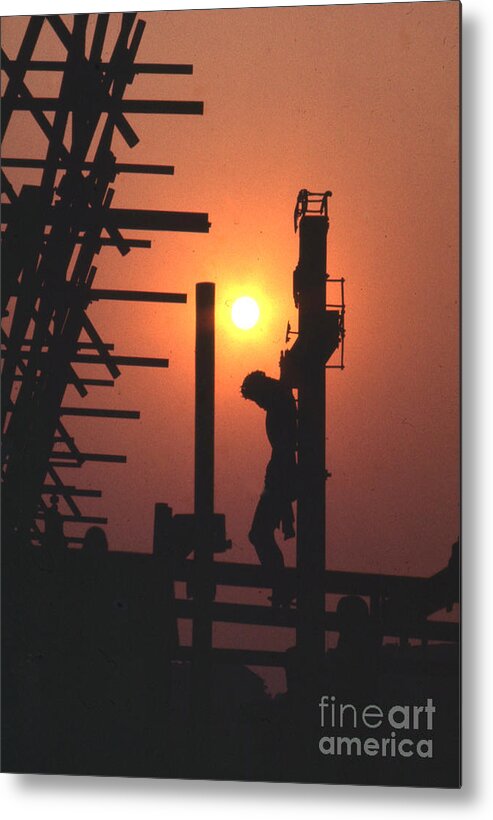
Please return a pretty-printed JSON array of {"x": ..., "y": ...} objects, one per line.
[
  {"x": 274, "y": 509},
  {"x": 93, "y": 684}
]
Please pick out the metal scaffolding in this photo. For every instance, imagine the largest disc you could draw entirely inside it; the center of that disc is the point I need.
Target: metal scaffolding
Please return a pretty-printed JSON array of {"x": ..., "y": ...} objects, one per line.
[{"x": 52, "y": 234}]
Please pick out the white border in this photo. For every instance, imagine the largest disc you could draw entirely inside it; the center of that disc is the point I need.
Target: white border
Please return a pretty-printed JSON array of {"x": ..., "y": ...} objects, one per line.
[
  {"x": 9, "y": 7},
  {"x": 53, "y": 797}
]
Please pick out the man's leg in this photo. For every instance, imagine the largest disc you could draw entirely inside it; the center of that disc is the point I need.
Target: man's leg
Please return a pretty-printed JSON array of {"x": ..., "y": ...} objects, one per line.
[{"x": 261, "y": 536}]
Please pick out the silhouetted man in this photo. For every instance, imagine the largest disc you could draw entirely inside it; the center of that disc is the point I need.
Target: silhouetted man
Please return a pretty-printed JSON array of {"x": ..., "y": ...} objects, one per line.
[{"x": 274, "y": 508}]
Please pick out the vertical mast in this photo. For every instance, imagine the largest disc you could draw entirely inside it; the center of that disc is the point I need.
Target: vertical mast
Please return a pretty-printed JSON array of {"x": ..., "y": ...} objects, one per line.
[
  {"x": 309, "y": 289},
  {"x": 203, "y": 591}
]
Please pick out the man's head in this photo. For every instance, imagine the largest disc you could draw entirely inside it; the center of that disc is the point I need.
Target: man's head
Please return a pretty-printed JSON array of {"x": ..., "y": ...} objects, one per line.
[{"x": 258, "y": 388}]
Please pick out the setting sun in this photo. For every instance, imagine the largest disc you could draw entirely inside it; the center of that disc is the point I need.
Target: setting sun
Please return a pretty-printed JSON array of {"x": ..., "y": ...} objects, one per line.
[{"x": 245, "y": 312}]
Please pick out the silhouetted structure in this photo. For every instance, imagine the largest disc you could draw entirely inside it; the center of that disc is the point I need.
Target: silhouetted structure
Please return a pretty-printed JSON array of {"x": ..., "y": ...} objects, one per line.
[
  {"x": 53, "y": 232},
  {"x": 53, "y": 537},
  {"x": 377, "y": 587},
  {"x": 204, "y": 589},
  {"x": 302, "y": 368},
  {"x": 319, "y": 335},
  {"x": 101, "y": 625},
  {"x": 354, "y": 667},
  {"x": 87, "y": 643},
  {"x": 95, "y": 542}
]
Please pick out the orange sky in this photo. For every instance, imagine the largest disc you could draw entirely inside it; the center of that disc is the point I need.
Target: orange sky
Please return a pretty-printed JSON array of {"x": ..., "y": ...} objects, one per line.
[{"x": 359, "y": 99}]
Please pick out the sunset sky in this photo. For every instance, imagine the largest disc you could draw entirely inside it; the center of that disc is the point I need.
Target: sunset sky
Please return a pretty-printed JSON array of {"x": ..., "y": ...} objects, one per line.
[{"x": 359, "y": 99}]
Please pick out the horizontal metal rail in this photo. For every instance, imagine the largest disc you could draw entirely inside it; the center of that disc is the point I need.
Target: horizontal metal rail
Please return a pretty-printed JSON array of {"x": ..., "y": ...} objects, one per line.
[
  {"x": 134, "y": 219},
  {"x": 100, "y": 412},
  {"x": 135, "y": 68},
  {"x": 63, "y": 459},
  {"x": 250, "y": 614},
  {"x": 124, "y": 361},
  {"x": 337, "y": 582},
  {"x": 97, "y": 294},
  {"x": 49, "y": 104},
  {"x": 119, "y": 167},
  {"x": 67, "y": 490}
]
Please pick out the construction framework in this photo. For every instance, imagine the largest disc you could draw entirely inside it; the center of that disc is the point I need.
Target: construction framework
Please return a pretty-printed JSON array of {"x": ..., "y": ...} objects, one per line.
[
  {"x": 398, "y": 606},
  {"x": 52, "y": 233}
]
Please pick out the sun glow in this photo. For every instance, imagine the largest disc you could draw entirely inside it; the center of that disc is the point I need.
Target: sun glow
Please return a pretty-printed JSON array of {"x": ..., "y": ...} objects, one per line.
[{"x": 245, "y": 312}]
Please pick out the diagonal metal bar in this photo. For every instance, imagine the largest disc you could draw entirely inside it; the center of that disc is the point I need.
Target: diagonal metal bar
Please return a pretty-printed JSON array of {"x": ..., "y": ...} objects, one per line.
[
  {"x": 24, "y": 94},
  {"x": 16, "y": 76},
  {"x": 100, "y": 346},
  {"x": 8, "y": 188},
  {"x": 60, "y": 29},
  {"x": 98, "y": 38}
]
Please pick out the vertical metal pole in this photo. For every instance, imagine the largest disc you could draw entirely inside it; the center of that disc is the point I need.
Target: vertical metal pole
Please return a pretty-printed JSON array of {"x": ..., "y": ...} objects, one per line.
[
  {"x": 162, "y": 552},
  {"x": 203, "y": 591},
  {"x": 163, "y": 558},
  {"x": 310, "y": 632}
]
